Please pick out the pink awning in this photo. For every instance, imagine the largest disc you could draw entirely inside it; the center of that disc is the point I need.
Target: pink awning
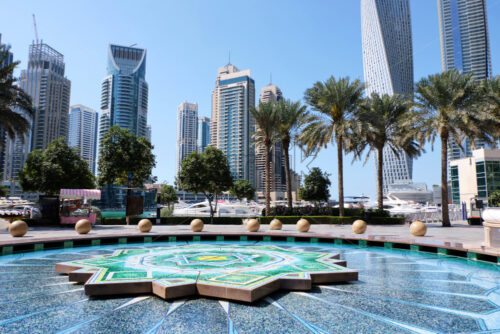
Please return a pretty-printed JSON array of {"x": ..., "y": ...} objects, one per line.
[{"x": 80, "y": 193}]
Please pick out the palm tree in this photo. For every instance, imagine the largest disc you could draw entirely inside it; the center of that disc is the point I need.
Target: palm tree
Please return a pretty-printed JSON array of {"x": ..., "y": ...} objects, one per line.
[
  {"x": 385, "y": 121},
  {"x": 12, "y": 97},
  {"x": 335, "y": 100},
  {"x": 292, "y": 116},
  {"x": 267, "y": 121},
  {"x": 491, "y": 88},
  {"x": 452, "y": 108}
]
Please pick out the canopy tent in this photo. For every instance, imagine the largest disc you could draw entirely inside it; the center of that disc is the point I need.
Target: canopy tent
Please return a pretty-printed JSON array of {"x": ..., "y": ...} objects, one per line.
[{"x": 80, "y": 193}]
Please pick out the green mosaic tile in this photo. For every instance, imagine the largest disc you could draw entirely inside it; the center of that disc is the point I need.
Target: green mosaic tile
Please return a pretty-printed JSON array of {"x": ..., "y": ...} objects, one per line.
[
  {"x": 290, "y": 239},
  {"x": 243, "y": 238},
  {"x": 172, "y": 239},
  {"x": 415, "y": 248},
  {"x": 219, "y": 238},
  {"x": 148, "y": 240},
  {"x": 38, "y": 247},
  {"x": 68, "y": 244},
  {"x": 196, "y": 238},
  {"x": 266, "y": 238},
  {"x": 122, "y": 241},
  {"x": 96, "y": 242},
  {"x": 314, "y": 240},
  {"x": 442, "y": 251},
  {"x": 338, "y": 241},
  {"x": 363, "y": 243},
  {"x": 7, "y": 250},
  {"x": 388, "y": 245},
  {"x": 472, "y": 256}
]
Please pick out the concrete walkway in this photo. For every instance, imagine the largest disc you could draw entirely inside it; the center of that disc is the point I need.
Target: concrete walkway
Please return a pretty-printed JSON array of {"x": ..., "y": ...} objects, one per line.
[{"x": 459, "y": 236}]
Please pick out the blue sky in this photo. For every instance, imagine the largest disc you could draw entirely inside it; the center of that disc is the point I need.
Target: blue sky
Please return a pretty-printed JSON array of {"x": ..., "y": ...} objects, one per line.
[{"x": 299, "y": 42}]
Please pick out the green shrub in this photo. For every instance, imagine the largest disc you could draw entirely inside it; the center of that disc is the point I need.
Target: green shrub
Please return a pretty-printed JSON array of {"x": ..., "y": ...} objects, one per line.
[
  {"x": 334, "y": 220},
  {"x": 98, "y": 214},
  {"x": 166, "y": 212}
]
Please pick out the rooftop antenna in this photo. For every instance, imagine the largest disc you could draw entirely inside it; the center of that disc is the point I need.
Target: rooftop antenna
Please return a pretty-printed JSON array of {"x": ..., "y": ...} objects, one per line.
[
  {"x": 270, "y": 78},
  {"x": 133, "y": 45},
  {"x": 229, "y": 62},
  {"x": 36, "y": 30}
]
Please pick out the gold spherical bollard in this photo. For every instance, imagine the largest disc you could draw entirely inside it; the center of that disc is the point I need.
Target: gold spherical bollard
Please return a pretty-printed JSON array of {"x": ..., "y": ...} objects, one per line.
[
  {"x": 418, "y": 228},
  {"x": 83, "y": 226},
  {"x": 253, "y": 225},
  {"x": 275, "y": 224},
  {"x": 18, "y": 228},
  {"x": 145, "y": 225},
  {"x": 359, "y": 226},
  {"x": 196, "y": 225},
  {"x": 303, "y": 225}
]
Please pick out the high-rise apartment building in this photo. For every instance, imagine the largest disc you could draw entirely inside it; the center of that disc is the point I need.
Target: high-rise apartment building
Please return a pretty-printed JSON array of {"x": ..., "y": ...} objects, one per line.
[
  {"x": 149, "y": 132},
  {"x": 465, "y": 45},
  {"x": 9, "y": 59},
  {"x": 187, "y": 122},
  {"x": 388, "y": 67},
  {"x": 232, "y": 125},
  {"x": 49, "y": 89},
  {"x": 203, "y": 134},
  {"x": 124, "y": 93},
  {"x": 82, "y": 133},
  {"x": 270, "y": 93}
]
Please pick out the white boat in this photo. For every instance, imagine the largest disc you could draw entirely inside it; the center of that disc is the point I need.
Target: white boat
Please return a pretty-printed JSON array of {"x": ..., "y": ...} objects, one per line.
[{"x": 202, "y": 209}]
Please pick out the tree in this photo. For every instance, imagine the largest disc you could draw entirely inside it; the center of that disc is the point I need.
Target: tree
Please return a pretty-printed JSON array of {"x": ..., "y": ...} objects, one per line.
[
  {"x": 385, "y": 121},
  {"x": 292, "y": 117},
  {"x": 452, "y": 107},
  {"x": 336, "y": 101},
  {"x": 207, "y": 173},
  {"x": 316, "y": 185},
  {"x": 267, "y": 121},
  {"x": 494, "y": 198},
  {"x": 123, "y": 154},
  {"x": 491, "y": 88},
  {"x": 242, "y": 189},
  {"x": 13, "y": 97},
  {"x": 168, "y": 195},
  {"x": 56, "y": 168}
]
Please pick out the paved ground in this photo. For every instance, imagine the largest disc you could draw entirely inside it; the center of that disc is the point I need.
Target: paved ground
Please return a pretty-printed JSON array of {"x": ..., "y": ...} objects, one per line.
[{"x": 460, "y": 235}]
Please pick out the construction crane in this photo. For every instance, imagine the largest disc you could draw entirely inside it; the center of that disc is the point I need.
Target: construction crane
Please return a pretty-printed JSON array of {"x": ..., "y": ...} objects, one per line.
[{"x": 36, "y": 31}]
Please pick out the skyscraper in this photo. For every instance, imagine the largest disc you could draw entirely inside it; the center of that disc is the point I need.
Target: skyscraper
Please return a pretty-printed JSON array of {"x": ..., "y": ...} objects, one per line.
[
  {"x": 465, "y": 45},
  {"x": 388, "y": 67},
  {"x": 232, "y": 125},
  {"x": 148, "y": 132},
  {"x": 124, "y": 94},
  {"x": 49, "y": 89},
  {"x": 9, "y": 59},
  {"x": 270, "y": 93},
  {"x": 203, "y": 134},
  {"x": 82, "y": 133},
  {"x": 187, "y": 121}
]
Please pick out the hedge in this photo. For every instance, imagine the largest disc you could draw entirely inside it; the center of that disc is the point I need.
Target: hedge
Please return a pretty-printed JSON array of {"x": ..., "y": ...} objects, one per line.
[
  {"x": 312, "y": 211},
  {"x": 334, "y": 220},
  {"x": 262, "y": 220}
]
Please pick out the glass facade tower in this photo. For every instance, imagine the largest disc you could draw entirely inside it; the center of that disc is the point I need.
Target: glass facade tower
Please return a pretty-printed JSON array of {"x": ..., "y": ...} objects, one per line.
[
  {"x": 124, "y": 93},
  {"x": 203, "y": 134},
  {"x": 187, "y": 122},
  {"x": 388, "y": 67},
  {"x": 465, "y": 46},
  {"x": 82, "y": 133},
  {"x": 232, "y": 125}
]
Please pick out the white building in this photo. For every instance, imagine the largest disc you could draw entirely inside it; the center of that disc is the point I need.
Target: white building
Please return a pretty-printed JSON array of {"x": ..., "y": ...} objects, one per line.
[
  {"x": 187, "y": 119},
  {"x": 475, "y": 177},
  {"x": 388, "y": 67},
  {"x": 82, "y": 133},
  {"x": 232, "y": 125}
]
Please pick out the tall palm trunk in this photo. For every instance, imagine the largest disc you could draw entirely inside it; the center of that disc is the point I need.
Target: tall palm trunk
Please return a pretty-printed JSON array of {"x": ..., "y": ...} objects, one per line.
[
  {"x": 286, "y": 146},
  {"x": 341, "y": 175},
  {"x": 268, "y": 179},
  {"x": 444, "y": 180},
  {"x": 380, "y": 177}
]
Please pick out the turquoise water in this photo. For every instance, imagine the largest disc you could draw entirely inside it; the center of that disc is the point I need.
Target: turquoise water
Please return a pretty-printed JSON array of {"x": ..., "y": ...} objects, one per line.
[{"x": 397, "y": 292}]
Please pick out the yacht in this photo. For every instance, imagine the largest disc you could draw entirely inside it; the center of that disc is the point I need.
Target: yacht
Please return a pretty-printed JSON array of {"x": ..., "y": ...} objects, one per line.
[{"x": 224, "y": 209}]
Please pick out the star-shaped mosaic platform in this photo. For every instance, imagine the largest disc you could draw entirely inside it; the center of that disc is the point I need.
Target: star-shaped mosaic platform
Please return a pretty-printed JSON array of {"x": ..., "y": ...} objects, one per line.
[{"x": 237, "y": 272}]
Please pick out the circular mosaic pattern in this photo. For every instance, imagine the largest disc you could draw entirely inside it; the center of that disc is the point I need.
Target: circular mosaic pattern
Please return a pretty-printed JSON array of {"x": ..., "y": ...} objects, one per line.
[{"x": 398, "y": 292}]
